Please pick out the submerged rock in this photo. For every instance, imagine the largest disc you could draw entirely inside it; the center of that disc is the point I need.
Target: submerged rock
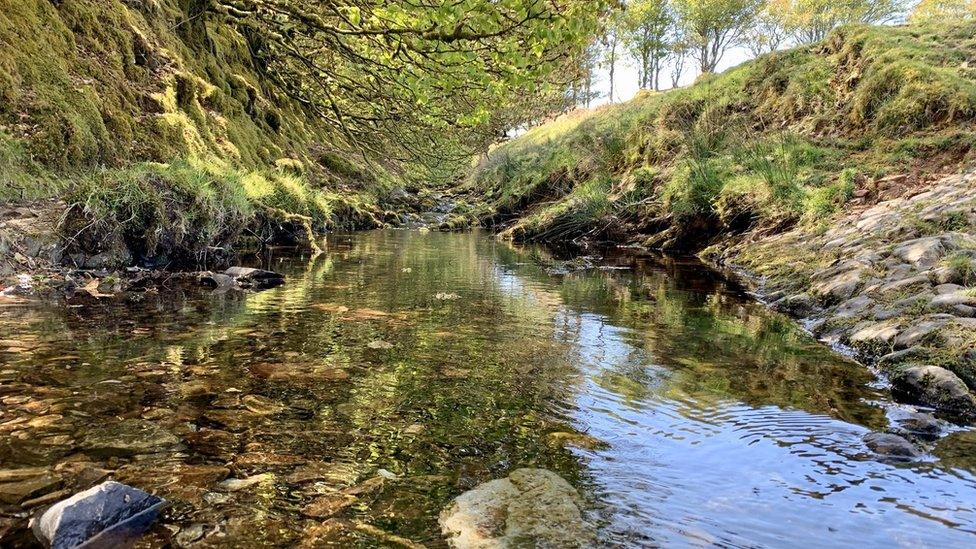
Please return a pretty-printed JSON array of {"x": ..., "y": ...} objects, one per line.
[
  {"x": 922, "y": 426},
  {"x": 129, "y": 436},
  {"x": 328, "y": 505},
  {"x": 219, "y": 281},
  {"x": 255, "y": 278},
  {"x": 108, "y": 515},
  {"x": 889, "y": 445},
  {"x": 237, "y": 484},
  {"x": 936, "y": 387},
  {"x": 530, "y": 508},
  {"x": 26, "y": 488}
]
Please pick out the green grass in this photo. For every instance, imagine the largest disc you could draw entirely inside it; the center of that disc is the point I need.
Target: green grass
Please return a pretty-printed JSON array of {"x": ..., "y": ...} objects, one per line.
[
  {"x": 786, "y": 138},
  {"x": 178, "y": 211}
]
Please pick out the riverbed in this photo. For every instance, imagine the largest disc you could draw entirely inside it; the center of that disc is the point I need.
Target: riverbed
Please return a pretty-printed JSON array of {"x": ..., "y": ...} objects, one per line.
[{"x": 400, "y": 368}]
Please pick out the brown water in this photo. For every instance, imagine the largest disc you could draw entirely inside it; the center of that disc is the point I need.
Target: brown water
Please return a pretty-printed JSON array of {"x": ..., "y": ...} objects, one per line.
[{"x": 406, "y": 368}]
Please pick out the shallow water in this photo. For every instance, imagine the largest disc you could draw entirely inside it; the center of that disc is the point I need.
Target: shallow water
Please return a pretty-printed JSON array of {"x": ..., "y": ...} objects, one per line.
[{"x": 685, "y": 413}]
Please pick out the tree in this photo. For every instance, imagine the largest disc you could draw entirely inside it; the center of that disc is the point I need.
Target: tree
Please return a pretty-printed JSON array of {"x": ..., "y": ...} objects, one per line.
[
  {"x": 713, "y": 26},
  {"x": 677, "y": 55},
  {"x": 402, "y": 76},
  {"x": 767, "y": 33},
  {"x": 943, "y": 10},
  {"x": 811, "y": 20},
  {"x": 610, "y": 41},
  {"x": 646, "y": 27}
]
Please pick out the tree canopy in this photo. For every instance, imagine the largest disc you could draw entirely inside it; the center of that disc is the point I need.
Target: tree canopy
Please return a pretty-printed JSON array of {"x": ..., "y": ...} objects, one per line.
[
  {"x": 943, "y": 10},
  {"x": 408, "y": 75}
]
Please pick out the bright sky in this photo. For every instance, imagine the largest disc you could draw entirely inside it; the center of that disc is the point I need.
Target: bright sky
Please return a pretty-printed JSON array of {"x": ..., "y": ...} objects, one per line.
[{"x": 625, "y": 80}]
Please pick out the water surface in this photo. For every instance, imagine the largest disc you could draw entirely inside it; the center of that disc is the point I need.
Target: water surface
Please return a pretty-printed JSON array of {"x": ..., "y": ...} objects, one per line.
[{"x": 408, "y": 367}]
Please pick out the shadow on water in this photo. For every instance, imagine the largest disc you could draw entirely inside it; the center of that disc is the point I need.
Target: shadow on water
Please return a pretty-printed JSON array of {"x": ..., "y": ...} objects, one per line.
[{"x": 405, "y": 368}]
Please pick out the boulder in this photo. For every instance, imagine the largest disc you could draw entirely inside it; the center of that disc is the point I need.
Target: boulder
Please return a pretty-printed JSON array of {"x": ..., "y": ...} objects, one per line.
[
  {"x": 948, "y": 301},
  {"x": 219, "y": 281},
  {"x": 921, "y": 252},
  {"x": 921, "y": 331},
  {"x": 875, "y": 334},
  {"x": 921, "y": 425},
  {"x": 108, "y": 515},
  {"x": 853, "y": 308},
  {"x": 890, "y": 446},
  {"x": 530, "y": 508},
  {"x": 799, "y": 305},
  {"x": 840, "y": 286},
  {"x": 260, "y": 279},
  {"x": 936, "y": 387}
]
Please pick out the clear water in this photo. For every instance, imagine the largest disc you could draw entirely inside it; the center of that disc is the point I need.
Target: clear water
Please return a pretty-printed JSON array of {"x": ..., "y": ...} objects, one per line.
[{"x": 685, "y": 413}]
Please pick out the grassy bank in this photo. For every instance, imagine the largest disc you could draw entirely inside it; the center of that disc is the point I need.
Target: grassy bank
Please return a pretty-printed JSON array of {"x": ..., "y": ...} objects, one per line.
[
  {"x": 156, "y": 127},
  {"x": 792, "y": 137}
]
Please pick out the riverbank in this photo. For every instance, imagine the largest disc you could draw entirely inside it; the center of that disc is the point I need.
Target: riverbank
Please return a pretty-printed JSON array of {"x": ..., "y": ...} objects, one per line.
[
  {"x": 895, "y": 282},
  {"x": 824, "y": 175}
]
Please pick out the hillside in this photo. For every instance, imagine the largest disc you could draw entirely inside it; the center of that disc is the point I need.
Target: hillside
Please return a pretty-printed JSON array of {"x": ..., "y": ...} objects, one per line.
[
  {"x": 158, "y": 135},
  {"x": 791, "y": 137}
]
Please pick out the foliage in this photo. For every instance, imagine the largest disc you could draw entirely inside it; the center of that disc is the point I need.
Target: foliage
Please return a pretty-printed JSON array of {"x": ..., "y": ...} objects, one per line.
[
  {"x": 810, "y": 20},
  {"x": 393, "y": 76},
  {"x": 713, "y": 26},
  {"x": 935, "y": 11},
  {"x": 647, "y": 28}
]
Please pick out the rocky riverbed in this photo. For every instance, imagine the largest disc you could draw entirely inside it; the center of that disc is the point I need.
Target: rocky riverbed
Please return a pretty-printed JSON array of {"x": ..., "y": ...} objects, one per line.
[{"x": 894, "y": 283}]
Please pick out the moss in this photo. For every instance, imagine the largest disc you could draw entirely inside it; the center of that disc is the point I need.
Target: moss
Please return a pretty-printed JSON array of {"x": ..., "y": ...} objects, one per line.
[{"x": 163, "y": 138}]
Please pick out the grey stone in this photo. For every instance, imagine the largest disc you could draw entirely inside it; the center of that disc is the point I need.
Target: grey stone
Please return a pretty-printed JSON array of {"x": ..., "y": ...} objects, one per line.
[
  {"x": 878, "y": 333},
  {"x": 964, "y": 311},
  {"x": 853, "y": 307},
  {"x": 889, "y": 445},
  {"x": 948, "y": 301},
  {"x": 945, "y": 275},
  {"x": 921, "y": 252},
  {"x": 255, "y": 278},
  {"x": 218, "y": 281},
  {"x": 530, "y": 508},
  {"x": 840, "y": 286},
  {"x": 108, "y": 515},
  {"x": 920, "y": 331},
  {"x": 904, "y": 355},
  {"x": 934, "y": 386},
  {"x": 799, "y": 305},
  {"x": 921, "y": 425},
  {"x": 913, "y": 284},
  {"x": 947, "y": 289}
]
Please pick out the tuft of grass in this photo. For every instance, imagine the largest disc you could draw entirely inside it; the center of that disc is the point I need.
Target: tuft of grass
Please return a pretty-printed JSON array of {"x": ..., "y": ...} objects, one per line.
[
  {"x": 963, "y": 265},
  {"x": 180, "y": 212}
]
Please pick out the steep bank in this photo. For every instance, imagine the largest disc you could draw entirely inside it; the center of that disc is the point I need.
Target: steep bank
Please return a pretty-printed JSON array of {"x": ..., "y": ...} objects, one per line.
[
  {"x": 155, "y": 128},
  {"x": 895, "y": 282},
  {"x": 769, "y": 167}
]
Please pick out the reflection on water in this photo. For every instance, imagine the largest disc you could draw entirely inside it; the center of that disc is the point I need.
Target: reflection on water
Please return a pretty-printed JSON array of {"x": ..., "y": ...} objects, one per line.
[{"x": 401, "y": 369}]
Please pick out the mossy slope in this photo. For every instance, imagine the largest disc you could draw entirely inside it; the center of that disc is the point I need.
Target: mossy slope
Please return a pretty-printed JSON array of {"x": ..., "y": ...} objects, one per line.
[
  {"x": 153, "y": 120},
  {"x": 789, "y": 137}
]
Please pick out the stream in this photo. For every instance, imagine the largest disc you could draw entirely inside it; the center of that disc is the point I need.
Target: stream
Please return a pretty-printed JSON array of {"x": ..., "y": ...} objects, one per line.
[{"x": 407, "y": 367}]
